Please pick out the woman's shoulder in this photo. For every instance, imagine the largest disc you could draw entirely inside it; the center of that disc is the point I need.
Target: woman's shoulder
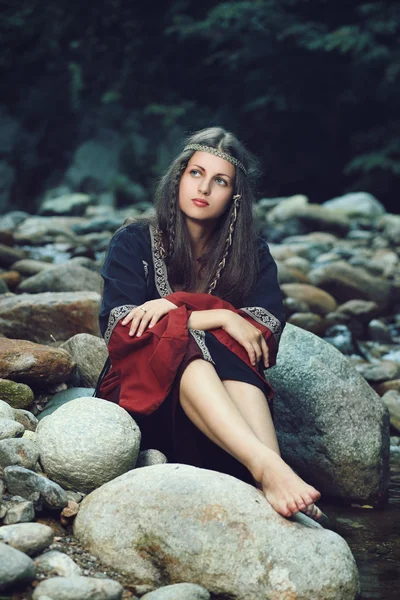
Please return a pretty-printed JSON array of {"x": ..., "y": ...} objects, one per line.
[
  {"x": 262, "y": 247},
  {"x": 132, "y": 233}
]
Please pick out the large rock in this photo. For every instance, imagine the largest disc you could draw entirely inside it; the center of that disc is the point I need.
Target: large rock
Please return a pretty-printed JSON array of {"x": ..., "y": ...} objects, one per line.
[
  {"x": 17, "y": 395},
  {"x": 15, "y": 567},
  {"x": 311, "y": 216},
  {"x": 10, "y": 429},
  {"x": 27, "y": 362},
  {"x": 318, "y": 301},
  {"x": 356, "y": 204},
  {"x": 175, "y": 523},
  {"x": 35, "y": 487},
  {"x": 87, "y": 442},
  {"x": 332, "y": 427},
  {"x": 69, "y": 204},
  {"x": 62, "y": 278},
  {"x": 9, "y": 255},
  {"x": 30, "y": 538},
  {"x": 89, "y": 353},
  {"x": 41, "y": 230},
  {"x": 19, "y": 452},
  {"x": 78, "y": 588},
  {"x": 48, "y": 316},
  {"x": 345, "y": 282},
  {"x": 6, "y": 412},
  {"x": 28, "y": 266}
]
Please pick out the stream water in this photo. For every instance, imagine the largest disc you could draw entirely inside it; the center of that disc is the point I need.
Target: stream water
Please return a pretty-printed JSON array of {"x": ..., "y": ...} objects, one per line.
[{"x": 374, "y": 538}]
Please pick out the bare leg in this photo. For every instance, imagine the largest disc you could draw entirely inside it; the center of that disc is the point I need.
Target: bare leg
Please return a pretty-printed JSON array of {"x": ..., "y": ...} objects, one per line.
[
  {"x": 208, "y": 405},
  {"x": 253, "y": 406}
]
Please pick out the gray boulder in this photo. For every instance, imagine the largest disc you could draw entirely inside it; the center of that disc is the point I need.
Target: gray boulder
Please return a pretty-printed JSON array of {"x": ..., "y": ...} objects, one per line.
[
  {"x": 174, "y": 523},
  {"x": 40, "y": 230},
  {"x": 15, "y": 567},
  {"x": 28, "y": 266},
  {"x": 90, "y": 353},
  {"x": 35, "y": 487},
  {"x": 19, "y": 510},
  {"x": 346, "y": 282},
  {"x": 20, "y": 452},
  {"x": 30, "y": 538},
  {"x": 78, "y": 588},
  {"x": 87, "y": 442},
  {"x": 26, "y": 418},
  {"x": 68, "y": 204},
  {"x": 10, "y": 429},
  {"x": 62, "y": 278},
  {"x": 6, "y": 412},
  {"x": 179, "y": 591},
  {"x": 55, "y": 563},
  {"x": 356, "y": 204},
  {"x": 332, "y": 427}
]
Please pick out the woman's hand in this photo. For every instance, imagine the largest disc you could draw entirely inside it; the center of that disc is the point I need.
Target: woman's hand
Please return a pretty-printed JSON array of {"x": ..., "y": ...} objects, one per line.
[
  {"x": 147, "y": 315},
  {"x": 247, "y": 336}
]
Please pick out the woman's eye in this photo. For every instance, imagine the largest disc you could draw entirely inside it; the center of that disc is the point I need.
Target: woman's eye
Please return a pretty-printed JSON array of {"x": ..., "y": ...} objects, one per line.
[
  {"x": 194, "y": 171},
  {"x": 221, "y": 181}
]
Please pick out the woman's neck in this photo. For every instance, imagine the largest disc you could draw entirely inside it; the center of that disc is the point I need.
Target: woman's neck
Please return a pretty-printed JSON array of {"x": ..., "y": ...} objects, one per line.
[{"x": 199, "y": 236}]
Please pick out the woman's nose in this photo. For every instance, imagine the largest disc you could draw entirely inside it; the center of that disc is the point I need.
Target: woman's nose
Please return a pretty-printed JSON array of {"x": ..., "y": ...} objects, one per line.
[{"x": 204, "y": 188}]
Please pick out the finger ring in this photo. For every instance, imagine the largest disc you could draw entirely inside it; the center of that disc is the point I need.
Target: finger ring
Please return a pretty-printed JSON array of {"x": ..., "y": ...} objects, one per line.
[{"x": 143, "y": 309}]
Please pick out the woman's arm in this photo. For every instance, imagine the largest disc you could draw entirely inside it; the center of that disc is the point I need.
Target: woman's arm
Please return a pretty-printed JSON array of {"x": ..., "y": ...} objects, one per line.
[{"x": 208, "y": 319}]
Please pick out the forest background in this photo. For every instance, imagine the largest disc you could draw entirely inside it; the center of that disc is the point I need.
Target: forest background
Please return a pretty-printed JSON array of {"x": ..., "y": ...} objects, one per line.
[{"x": 96, "y": 96}]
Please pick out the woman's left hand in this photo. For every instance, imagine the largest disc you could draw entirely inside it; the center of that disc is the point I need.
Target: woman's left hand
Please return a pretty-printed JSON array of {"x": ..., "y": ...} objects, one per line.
[{"x": 148, "y": 314}]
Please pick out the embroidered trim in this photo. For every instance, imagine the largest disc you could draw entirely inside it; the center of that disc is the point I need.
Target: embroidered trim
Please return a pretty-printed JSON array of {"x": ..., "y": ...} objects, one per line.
[
  {"x": 146, "y": 269},
  {"x": 117, "y": 313},
  {"x": 199, "y": 337},
  {"x": 264, "y": 317},
  {"x": 164, "y": 289},
  {"x": 160, "y": 269}
]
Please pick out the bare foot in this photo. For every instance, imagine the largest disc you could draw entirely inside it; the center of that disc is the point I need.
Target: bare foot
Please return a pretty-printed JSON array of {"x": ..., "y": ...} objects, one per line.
[{"x": 285, "y": 491}]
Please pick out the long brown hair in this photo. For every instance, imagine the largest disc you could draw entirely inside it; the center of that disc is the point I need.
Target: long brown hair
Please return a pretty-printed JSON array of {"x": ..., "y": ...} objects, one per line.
[{"x": 229, "y": 265}]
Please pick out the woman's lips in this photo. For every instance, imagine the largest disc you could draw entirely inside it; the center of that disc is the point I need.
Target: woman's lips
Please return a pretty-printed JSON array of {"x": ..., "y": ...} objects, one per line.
[{"x": 199, "y": 202}]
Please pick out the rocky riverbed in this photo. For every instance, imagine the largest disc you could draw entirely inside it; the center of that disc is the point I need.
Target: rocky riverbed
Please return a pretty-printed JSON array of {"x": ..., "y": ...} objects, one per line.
[{"x": 71, "y": 464}]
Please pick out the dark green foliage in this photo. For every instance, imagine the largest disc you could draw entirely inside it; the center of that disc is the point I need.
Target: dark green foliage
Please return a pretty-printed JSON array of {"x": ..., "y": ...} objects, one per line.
[{"x": 312, "y": 87}]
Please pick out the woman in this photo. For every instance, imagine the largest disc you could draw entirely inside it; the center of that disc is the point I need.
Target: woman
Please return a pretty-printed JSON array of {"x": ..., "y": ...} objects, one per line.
[{"x": 187, "y": 360}]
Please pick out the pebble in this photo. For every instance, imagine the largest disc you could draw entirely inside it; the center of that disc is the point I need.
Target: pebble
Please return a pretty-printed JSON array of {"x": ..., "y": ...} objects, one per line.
[
  {"x": 392, "y": 401},
  {"x": 78, "y": 588},
  {"x": 380, "y": 371},
  {"x": 19, "y": 510},
  {"x": 379, "y": 332},
  {"x": 27, "y": 483},
  {"x": 150, "y": 457},
  {"x": 10, "y": 429},
  {"x": 26, "y": 418},
  {"x": 20, "y": 452},
  {"x": 30, "y": 538},
  {"x": 15, "y": 567},
  {"x": 57, "y": 563},
  {"x": 179, "y": 591},
  {"x": 6, "y": 412}
]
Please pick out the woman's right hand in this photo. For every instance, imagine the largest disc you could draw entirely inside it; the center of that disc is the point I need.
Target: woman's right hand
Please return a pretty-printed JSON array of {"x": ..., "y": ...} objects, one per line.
[{"x": 247, "y": 336}]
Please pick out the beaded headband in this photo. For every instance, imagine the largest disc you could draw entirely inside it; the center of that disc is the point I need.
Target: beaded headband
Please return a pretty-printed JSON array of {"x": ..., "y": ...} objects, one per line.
[{"x": 216, "y": 152}]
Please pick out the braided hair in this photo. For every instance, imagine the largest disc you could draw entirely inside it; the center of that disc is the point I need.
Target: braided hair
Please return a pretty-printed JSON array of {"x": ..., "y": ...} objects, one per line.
[{"x": 229, "y": 265}]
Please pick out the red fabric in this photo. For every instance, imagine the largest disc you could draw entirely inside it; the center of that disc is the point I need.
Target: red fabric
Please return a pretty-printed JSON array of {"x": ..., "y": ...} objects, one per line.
[{"x": 144, "y": 368}]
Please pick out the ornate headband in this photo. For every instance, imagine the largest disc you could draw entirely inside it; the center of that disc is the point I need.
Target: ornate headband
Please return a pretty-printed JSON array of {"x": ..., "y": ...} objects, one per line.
[{"x": 216, "y": 152}]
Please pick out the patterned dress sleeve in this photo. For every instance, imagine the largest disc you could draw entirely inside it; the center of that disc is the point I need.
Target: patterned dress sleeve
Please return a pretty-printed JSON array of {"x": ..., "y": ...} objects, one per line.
[
  {"x": 264, "y": 304},
  {"x": 124, "y": 273}
]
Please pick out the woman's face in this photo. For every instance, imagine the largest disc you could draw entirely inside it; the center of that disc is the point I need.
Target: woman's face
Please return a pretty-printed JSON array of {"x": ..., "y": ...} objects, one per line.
[{"x": 206, "y": 187}]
